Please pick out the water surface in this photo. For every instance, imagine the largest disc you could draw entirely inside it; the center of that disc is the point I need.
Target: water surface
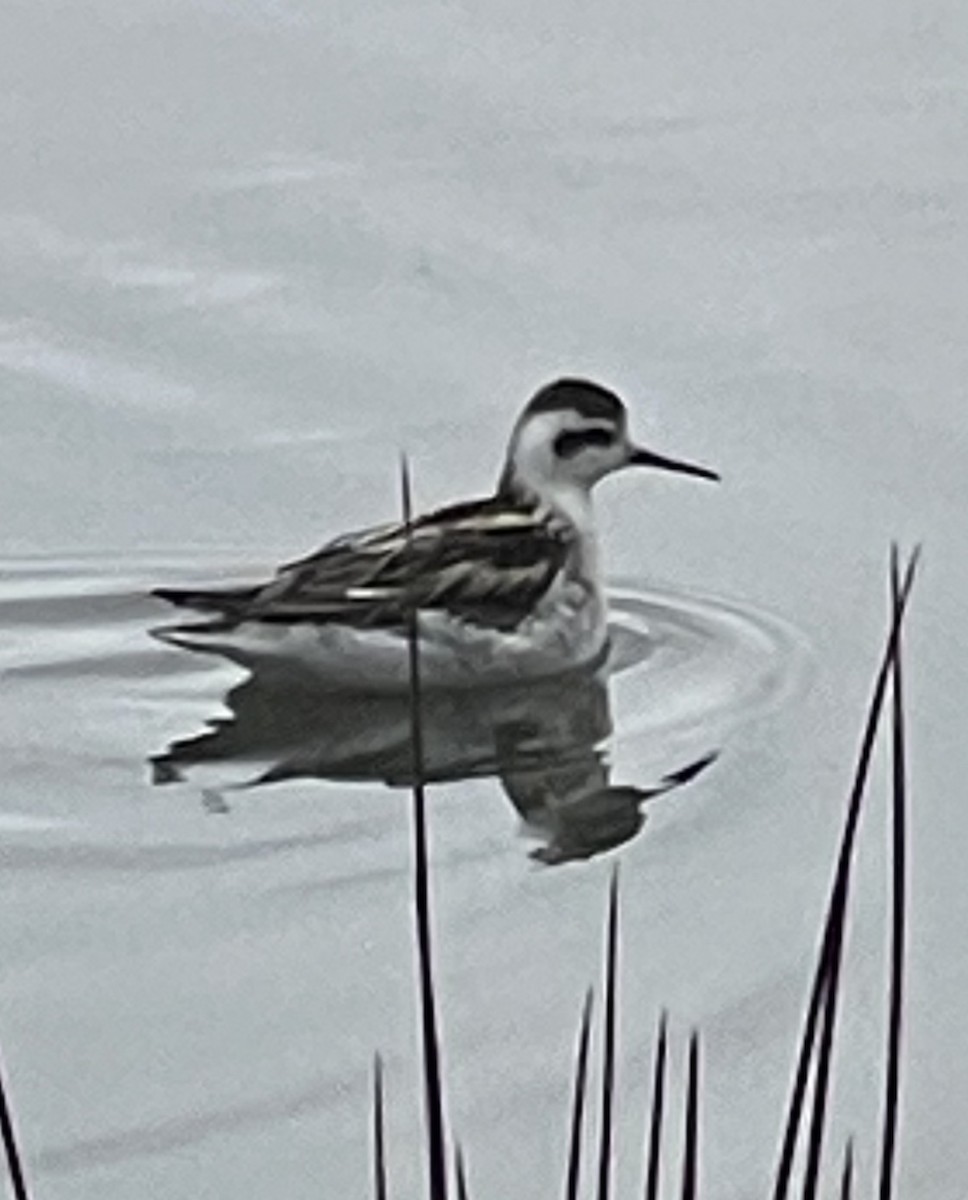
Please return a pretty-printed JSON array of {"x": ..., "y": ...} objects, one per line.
[{"x": 250, "y": 255}]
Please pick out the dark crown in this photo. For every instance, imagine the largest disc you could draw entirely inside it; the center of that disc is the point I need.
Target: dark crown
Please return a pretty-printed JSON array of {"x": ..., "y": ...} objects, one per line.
[{"x": 590, "y": 400}]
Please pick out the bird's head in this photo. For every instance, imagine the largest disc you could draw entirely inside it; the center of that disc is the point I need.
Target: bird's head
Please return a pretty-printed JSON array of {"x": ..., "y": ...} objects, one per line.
[{"x": 572, "y": 434}]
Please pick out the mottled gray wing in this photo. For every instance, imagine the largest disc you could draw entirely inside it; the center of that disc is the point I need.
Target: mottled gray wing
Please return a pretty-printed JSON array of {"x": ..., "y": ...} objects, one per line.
[{"x": 485, "y": 561}]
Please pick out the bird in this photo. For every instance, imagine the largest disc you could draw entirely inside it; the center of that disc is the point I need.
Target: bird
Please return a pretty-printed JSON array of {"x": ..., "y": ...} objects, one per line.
[{"x": 505, "y": 587}]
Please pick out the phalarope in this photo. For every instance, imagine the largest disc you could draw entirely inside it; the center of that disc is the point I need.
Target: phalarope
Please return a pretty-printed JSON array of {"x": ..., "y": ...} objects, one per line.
[{"x": 507, "y": 587}]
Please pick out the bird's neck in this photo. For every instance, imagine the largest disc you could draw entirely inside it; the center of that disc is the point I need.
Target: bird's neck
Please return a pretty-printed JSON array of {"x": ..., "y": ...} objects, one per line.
[{"x": 566, "y": 501}]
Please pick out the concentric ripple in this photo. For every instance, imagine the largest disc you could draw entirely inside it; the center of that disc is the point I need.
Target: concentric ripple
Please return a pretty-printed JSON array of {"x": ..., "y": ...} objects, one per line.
[
  {"x": 678, "y": 659},
  {"x": 685, "y": 672},
  {"x": 687, "y": 664}
]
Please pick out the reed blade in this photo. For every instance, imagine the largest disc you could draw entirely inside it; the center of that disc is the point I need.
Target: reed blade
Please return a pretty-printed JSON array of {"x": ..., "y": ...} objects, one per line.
[
  {"x": 654, "y": 1160},
  {"x": 461, "y": 1174},
  {"x": 379, "y": 1143},
  {"x": 818, "y": 1117},
  {"x": 433, "y": 1090},
  {"x": 690, "y": 1151},
  {"x": 608, "y": 1053},
  {"x": 15, "y": 1168},
  {"x": 899, "y": 806},
  {"x": 839, "y": 890},
  {"x": 573, "y": 1174},
  {"x": 847, "y": 1175}
]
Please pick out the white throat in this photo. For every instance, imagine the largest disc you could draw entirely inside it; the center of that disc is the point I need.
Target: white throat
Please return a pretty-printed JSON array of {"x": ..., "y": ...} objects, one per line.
[{"x": 573, "y": 502}]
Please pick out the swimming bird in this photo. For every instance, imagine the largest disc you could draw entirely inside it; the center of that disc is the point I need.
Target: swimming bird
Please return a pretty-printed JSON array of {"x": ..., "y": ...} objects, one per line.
[{"x": 509, "y": 586}]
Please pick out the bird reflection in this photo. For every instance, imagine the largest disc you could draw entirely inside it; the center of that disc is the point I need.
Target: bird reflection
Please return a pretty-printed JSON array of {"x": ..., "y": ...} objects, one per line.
[{"x": 542, "y": 739}]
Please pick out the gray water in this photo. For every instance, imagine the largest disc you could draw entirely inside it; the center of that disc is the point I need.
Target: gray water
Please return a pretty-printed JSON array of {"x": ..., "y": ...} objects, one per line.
[{"x": 250, "y": 253}]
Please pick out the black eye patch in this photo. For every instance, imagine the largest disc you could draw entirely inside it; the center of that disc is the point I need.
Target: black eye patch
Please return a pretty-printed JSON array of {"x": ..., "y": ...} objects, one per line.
[{"x": 573, "y": 441}]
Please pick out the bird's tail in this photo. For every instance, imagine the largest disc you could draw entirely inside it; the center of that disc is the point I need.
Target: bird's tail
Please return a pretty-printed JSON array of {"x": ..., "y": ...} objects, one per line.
[{"x": 227, "y": 601}]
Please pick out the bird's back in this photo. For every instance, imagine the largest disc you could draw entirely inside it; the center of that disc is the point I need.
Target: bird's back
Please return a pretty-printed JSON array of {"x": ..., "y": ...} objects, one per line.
[{"x": 485, "y": 561}]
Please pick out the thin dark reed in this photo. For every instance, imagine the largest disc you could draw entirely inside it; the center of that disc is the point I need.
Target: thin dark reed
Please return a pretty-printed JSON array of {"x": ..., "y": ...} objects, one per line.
[
  {"x": 461, "y": 1174},
  {"x": 608, "y": 1052},
  {"x": 690, "y": 1150},
  {"x": 654, "y": 1161},
  {"x": 573, "y": 1174},
  {"x": 379, "y": 1143},
  {"x": 18, "y": 1180},
  {"x": 847, "y": 1176},
  {"x": 436, "y": 1140},
  {"x": 898, "y": 902},
  {"x": 821, "y": 1087},
  {"x": 839, "y": 891}
]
